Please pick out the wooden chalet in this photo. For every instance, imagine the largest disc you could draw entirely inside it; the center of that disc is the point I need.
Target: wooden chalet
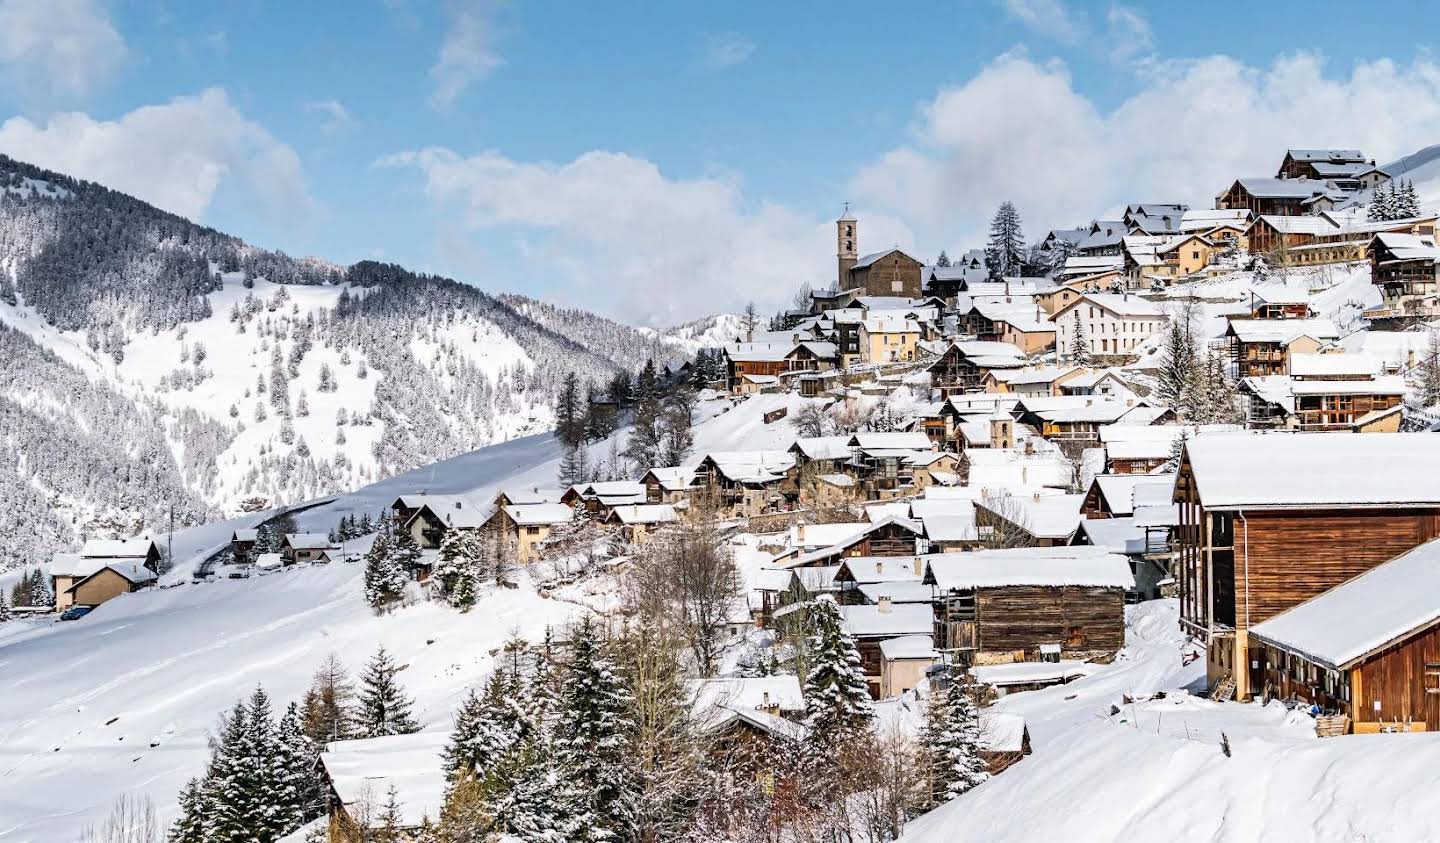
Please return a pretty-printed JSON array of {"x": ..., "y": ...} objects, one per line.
[
  {"x": 1072, "y": 417},
  {"x": 1268, "y": 521},
  {"x": 1326, "y": 392},
  {"x": 757, "y": 359},
  {"x": 1281, "y": 302},
  {"x": 1367, "y": 650},
  {"x": 889, "y": 536},
  {"x": 1273, "y": 196},
  {"x": 242, "y": 545},
  {"x": 359, "y": 774},
  {"x": 126, "y": 556},
  {"x": 438, "y": 515},
  {"x": 1034, "y": 520},
  {"x": 598, "y": 498},
  {"x": 873, "y": 625},
  {"x": 669, "y": 484},
  {"x": 1406, "y": 268},
  {"x": 1004, "y": 740},
  {"x": 963, "y": 366},
  {"x": 1260, "y": 347},
  {"x": 748, "y": 483},
  {"x": 1321, "y": 163},
  {"x": 298, "y": 548},
  {"x": 108, "y": 582},
  {"x": 996, "y": 606}
]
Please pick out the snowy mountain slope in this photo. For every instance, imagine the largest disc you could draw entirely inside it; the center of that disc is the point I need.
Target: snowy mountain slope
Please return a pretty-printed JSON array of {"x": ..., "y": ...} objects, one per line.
[
  {"x": 709, "y": 332},
  {"x": 265, "y": 377},
  {"x": 168, "y": 660},
  {"x": 1156, "y": 771},
  {"x": 125, "y": 700}
]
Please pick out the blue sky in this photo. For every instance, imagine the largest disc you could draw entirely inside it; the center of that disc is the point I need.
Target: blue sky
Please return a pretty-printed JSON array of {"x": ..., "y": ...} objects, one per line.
[{"x": 662, "y": 160}]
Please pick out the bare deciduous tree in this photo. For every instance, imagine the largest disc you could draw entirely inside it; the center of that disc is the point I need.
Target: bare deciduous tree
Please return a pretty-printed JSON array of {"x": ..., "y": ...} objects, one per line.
[
  {"x": 132, "y": 820},
  {"x": 687, "y": 576}
]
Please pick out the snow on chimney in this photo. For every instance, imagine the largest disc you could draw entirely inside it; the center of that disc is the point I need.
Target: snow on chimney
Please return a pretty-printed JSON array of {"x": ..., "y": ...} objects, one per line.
[{"x": 882, "y": 605}]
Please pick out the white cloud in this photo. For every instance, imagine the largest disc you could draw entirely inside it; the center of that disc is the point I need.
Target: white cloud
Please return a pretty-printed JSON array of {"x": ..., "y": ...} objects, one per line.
[
  {"x": 1130, "y": 34},
  {"x": 332, "y": 114},
  {"x": 616, "y": 234},
  {"x": 51, "y": 48},
  {"x": 1190, "y": 129},
  {"x": 1051, "y": 18},
  {"x": 175, "y": 155},
  {"x": 467, "y": 55},
  {"x": 727, "y": 49}
]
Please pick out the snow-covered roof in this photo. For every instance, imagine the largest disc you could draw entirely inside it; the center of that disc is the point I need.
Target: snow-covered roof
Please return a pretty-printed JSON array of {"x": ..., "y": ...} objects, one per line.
[
  {"x": 753, "y": 692},
  {"x": 1032, "y": 375},
  {"x": 1079, "y": 565},
  {"x": 456, "y": 512},
  {"x": 866, "y": 260},
  {"x": 1332, "y": 365},
  {"x": 908, "y": 647},
  {"x": 897, "y": 592},
  {"x": 1383, "y": 385},
  {"x": 532, "y": 514},
  {"x": 651, "y": 513},
  {"x": 245, "y": 535},
  {"x": 365, "y": 770},
  {"x": 309, "y": 541},
  {"x": 1122, "y": 304},
  {"x": 758, "y": 352},
  {"x": 823, "y": 535},
  {"x": 890, "y": 325},
  {"x": 951, "y": 528},
  {"x": 758, "y": 466},
  {"x": 823, "y": 447},
  {"x": 1364, "y": 614},
  {"x": 1285, "y": 470},
  {"x": 872, "y": 569},
  {"x": 1118, "y": 535},
  {"x": 897, "y": 440},
  {"x": 1327, "y": 155},
  {"x": 1077, "y": 408},
  {"x": 875, "y": 621},
  {"x": 1119, "y": 490},
  {"x": 135, "y": 548},
  {"x": 133, "y": 572},
  {"x": 524, "y": 496},
  {"x": 1282, "y": 330},
  {"x": 674, "y": 477},
  {"x": 1002, "y": 731}
]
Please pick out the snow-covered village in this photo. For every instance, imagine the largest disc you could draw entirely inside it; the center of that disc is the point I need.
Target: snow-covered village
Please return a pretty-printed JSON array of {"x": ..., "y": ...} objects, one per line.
[{"x": 1004, "y": 500}]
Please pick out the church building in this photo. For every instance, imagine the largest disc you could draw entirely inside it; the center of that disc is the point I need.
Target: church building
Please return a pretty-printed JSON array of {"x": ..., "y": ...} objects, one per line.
[{"x": 887, "y": 273}]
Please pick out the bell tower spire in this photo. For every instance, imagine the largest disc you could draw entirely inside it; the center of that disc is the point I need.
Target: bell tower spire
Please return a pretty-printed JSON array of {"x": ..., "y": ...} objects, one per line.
[{"x": 846, "y": 247}]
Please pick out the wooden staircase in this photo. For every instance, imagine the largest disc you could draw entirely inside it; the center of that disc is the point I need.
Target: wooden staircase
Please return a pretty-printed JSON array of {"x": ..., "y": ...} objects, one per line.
[{"x": 1223, "y": 689}]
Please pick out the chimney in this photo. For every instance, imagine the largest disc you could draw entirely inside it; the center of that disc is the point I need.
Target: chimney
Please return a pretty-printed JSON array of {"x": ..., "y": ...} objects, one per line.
[
  {"x": 879, "y": 567},
  {"x": 457, "y": 505},
  {"x": 795, "y": 337},
  {"x": 919, "y": 567},
  {"x": 1089, "y": 402},
  {"x": 800, "y": 533},
  {"x": 1036, "y": 497},
  {"x": 882, "y": 605}
]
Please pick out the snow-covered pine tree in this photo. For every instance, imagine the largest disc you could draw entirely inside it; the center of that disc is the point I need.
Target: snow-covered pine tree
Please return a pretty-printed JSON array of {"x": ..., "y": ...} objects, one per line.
[
  {"x": 326, "y": 713},
  {"x": 1382, "y": 203},
  {"x": 189, "y": 827},
  {"x": 383, "y": 708},
  {"x": 406, "y": 555},
  {"x": 391, "y": 820},
  {"x": 457, "y": 570},
  {"x": 384, "y": 578},
  {"x": 591, "y": 736},
  {"x": 956, "y": 744},
  {"x": 242, "y": 780},
  {"x": 486, "y": 728},
  {"x": 1406, "y": 202},
  {"x": 1177, "y": 371},
  {"x": 296, "y": 793},
  {"x": 569, "y": 416},
  {"x": 943, "y": 260},
  {"x": 1005, "y": 251},
  {"x": 4, "y": 609},
  {"x": 1079, "y": 347},
  {"x": 837, "y": 700},
  {"x": 645, "y": 432}
]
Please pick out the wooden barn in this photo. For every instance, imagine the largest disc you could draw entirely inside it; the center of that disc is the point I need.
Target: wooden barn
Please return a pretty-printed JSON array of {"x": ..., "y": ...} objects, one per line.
[
  {"x": 996, "y": 606},
  {"x": 1268, "y": 521},
  {"x": 1367, "y": 649}
]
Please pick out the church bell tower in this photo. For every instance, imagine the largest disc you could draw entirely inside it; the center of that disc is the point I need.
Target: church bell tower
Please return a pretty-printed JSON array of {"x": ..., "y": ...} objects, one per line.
[{"x": 846, "y": 247}]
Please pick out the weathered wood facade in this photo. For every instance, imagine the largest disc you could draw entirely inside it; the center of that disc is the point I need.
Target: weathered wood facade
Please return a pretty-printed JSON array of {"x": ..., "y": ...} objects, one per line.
[
  {"x": 1011, "y": 623},
  {"x": 1237, "y": 567}
]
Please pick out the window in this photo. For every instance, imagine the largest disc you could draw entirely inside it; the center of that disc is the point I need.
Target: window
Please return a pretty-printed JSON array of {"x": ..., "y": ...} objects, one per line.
[
  {"x": 1074, "y": 636},
  {"x": 1432, "y": 677},
  {"x": 532, "y": 531}
]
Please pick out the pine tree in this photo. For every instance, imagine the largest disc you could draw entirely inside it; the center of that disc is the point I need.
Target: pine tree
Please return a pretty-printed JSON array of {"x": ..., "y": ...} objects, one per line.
[
  {"x": 1384, "y": 203},
  {"x": 297, "y": 796},
  {"x": 326, "y": 711},
  {"x": 1181, "y": 346},
  {"x": 943, "y": 260},
  {"x": 383, "y": 708},
  {"x": 645, "y": 430},
  {"x": 837, "y": 700},
  {"x": 4, "y": 609},
  {"x": 458, "y": 569},
  {"x": 569, "y": 418},
  {"x": 1005, "y": 251},
  {"x": 384, "y": 578},
  {"x": 1079, "y": 347},
  {"x": 194, "y": 808},
  {"x": 391, "y": 820},
  {"x": 955, "y": 744},
  {"x": 486, "y": 728},
  {"x": 242, "y": 783},
  {"x": 591, "y": 741}
]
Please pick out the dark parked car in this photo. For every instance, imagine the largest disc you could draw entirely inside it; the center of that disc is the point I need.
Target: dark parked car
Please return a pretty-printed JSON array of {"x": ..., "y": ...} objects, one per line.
[{"x": 75, "y": 613}]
